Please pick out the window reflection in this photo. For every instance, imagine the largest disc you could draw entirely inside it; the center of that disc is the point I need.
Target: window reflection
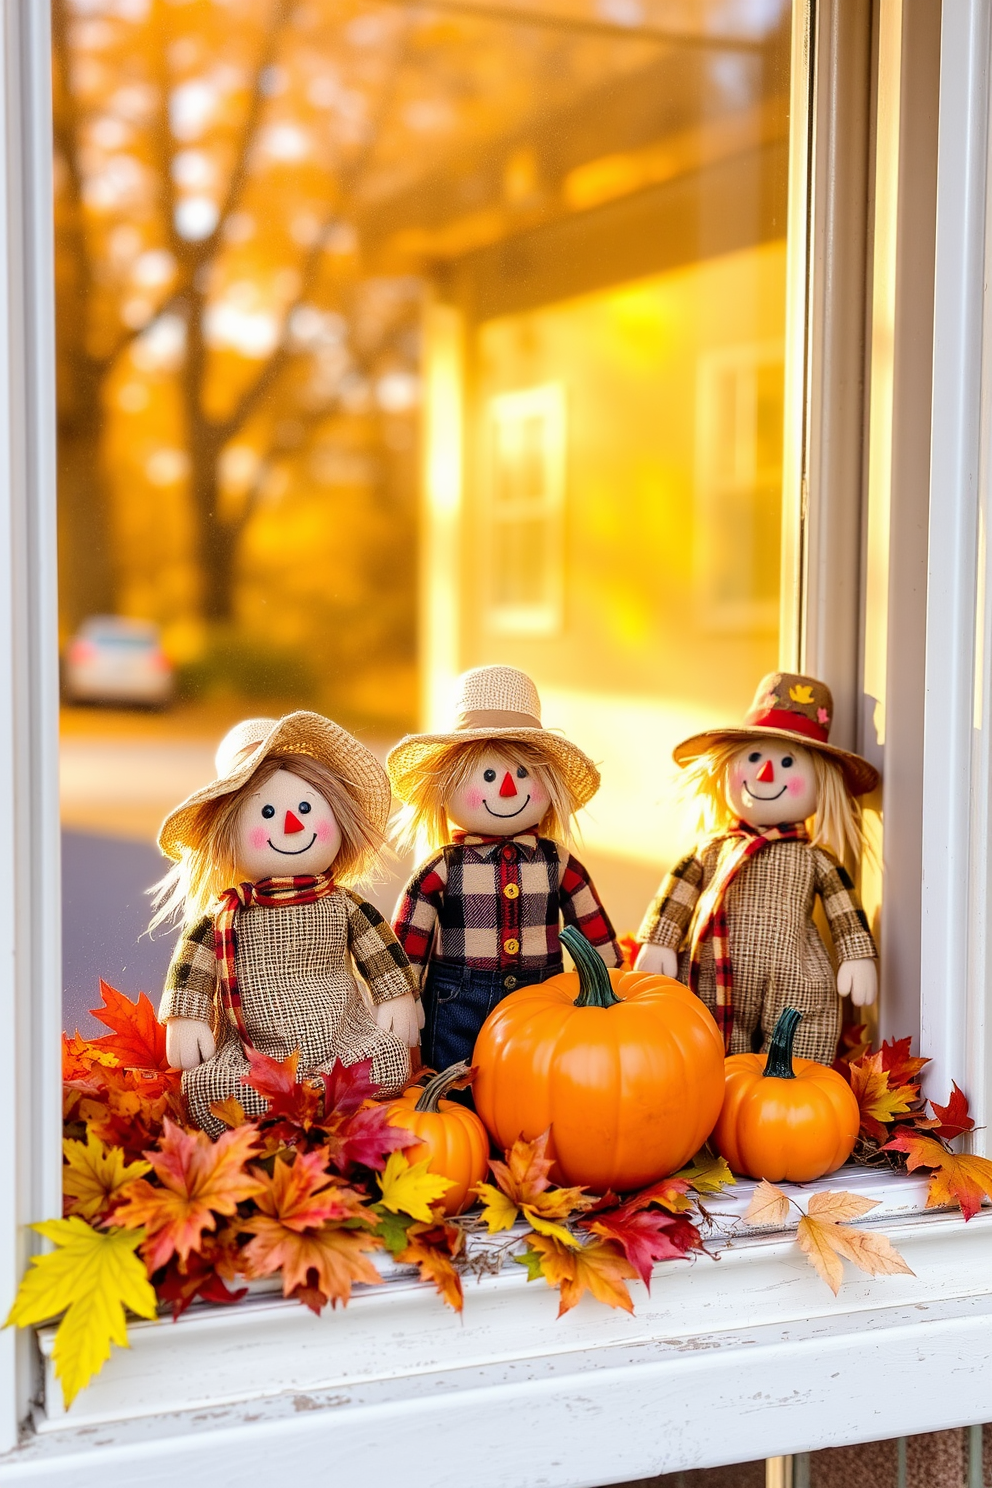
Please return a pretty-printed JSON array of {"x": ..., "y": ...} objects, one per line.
[{"x": 341, "y": 284}]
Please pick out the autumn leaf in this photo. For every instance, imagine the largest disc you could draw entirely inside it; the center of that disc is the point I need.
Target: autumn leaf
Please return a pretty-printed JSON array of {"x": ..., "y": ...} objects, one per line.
[
  {"x": 348, "y": 1087},
  {"x": 629, "y": 947},
  {"x": 962, "y": 1180},
  {"x": 801, "y": 693},
  {"x": 299, "y": 1231},
  {"x": 295, "y": 1106},
  {"x": 878, "y": 1100},
  {"x": 229, "y": 1111},
  {"x": 953, "y": 1119},
  {"x": 92, "y": 1276},
  {"x": 433, "y": 1249},
  {"x": 599, "y": 1267},
  {"x": 366, "y": 1139},
  {"x": 410, "y": 1189},
  {"x": 670, "y": 1193},
  {"x": 200, "y": 1179},
  {"x": 137, "y": 1038},
  {"x": 79, "y": 1056},
  {"x": 707, "y": 1174},
  {"x": 646, "y": 1236},
  {"x": 854, "y": 1042},
  {"x": 93, "y": 1174},
  {"x": 523, "y": 1186},
  {"x": 768, "y": 1206},
  {"x": 498, "y": 1211},
  {"x": 903, "y": 1068},
  {"x": 525, "y": 1173},
  {"x": 826, "y": 1240},
  {"x": 392, "y": 1228},
  {"x": 203, "y": 1275}
]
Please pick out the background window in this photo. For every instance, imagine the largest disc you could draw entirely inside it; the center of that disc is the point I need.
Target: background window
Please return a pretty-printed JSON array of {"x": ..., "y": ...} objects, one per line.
[{"x": 526, "y": 477}]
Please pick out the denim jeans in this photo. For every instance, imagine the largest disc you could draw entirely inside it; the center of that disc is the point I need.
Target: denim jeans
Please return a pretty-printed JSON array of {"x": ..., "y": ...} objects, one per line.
[{"x": 458, "y": 1000}]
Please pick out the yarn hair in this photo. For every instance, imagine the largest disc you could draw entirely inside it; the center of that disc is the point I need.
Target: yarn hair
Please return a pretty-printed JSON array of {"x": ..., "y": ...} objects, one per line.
[
  {"x": 836, "y": 824},
  {"x": 423, "y": 823},
  {"x": 192, "y": 886}
]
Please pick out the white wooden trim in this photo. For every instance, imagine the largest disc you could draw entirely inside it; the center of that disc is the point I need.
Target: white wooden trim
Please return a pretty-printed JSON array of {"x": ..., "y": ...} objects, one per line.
[
  {"x": 30, "y": 952},
  {"x": 956, "y": 730}
]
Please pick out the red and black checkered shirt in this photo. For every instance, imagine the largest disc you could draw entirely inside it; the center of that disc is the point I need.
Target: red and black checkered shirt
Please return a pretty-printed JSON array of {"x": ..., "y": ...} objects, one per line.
[{"x": 497, "y": 903}]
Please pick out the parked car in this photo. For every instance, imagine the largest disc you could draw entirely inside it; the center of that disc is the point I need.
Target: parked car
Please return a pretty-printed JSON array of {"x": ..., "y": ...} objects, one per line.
[{"x": 111, "y": 659}]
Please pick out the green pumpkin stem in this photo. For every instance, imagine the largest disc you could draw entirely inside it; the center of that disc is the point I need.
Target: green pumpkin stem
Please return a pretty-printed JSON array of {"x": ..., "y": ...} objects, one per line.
[
  {"x": 779, "y": 1061},
  {"x": 437, "y": 1088},
  {"x": 595, "y": 989}
]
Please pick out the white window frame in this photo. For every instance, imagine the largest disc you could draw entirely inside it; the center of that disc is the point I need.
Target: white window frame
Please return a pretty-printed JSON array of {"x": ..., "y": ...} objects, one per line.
[
  {"x": 744, "y": 1358},
  {"x": 506, "y": 410}
]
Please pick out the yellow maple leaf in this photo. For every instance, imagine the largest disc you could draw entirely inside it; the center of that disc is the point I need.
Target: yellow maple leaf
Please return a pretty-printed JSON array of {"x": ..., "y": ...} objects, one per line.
[
  {"x": 93, "y": 1173},
  {"x": 408, "y": 1188},
  {"x": 826, "y": 1241},
  {"x": 547, "y": 1227},
  {"x": 768, "y": 1206},
  {"x": 707, "y": 1174},
  {"x": 92, "y": 1277},
  {"x": 499, "y": 1211},
  {"x": 875, "y": 1096},
  {"x": 801, "y": 693}
]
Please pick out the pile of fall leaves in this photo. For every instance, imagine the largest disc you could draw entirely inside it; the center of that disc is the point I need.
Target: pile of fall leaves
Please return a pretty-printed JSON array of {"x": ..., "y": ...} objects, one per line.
[{"x": 156, "y": 1215}]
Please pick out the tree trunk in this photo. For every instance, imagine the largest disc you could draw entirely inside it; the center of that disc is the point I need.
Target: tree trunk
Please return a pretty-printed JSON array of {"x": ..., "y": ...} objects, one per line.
[{"x": 87, "y": 580}]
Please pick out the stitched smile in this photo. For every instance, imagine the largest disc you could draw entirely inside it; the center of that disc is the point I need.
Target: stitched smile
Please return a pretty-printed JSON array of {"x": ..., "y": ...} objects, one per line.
[
  {"x": 285, "y": 851},
  {"x": 506, "y": 815},
  {"x": 763, "y": 798}
]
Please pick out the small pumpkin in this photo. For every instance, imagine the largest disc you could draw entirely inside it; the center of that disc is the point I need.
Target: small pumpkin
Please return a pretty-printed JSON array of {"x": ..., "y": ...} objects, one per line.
[
  {"x": 625, "y": 1067},
  {"x": 451, "y": 1137},
  {"x": 782, "y": 1117}
]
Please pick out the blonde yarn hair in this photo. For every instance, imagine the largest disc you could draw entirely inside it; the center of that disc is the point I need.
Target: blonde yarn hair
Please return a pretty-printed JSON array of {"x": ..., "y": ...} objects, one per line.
[
  {"x": 193, "y": 885},
  {"x": 423, "y": 823},
  {"x": 836, "y": 824}
]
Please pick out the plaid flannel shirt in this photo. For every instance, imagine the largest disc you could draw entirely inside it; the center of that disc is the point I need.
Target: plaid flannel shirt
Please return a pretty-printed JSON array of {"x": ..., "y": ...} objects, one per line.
[{"x": 496, "y": 904}]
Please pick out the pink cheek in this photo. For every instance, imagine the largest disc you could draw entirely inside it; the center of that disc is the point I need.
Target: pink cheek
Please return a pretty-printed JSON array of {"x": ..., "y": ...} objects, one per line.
[
  {"x": 797, "y": 787},
  {"x": 258, "y": 836},
  {"x": 323, "y": 831},
  {"x": 474, "y": 797},
  {"x": 739, "y": 776}
]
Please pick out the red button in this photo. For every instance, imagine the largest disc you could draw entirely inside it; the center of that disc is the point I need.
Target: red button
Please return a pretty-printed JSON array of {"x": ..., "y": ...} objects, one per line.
[{"x": 508, "y": 854}]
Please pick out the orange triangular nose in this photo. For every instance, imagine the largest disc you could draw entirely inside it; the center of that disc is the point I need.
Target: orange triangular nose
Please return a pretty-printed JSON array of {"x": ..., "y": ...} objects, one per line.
[
  {"x": 292, "y": 824},
  {"x": 766, "y": 774},
  {"x": 508, "y": 788}
]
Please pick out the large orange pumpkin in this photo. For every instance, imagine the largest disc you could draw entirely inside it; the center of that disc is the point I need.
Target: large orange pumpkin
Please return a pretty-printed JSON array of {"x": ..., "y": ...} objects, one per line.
[
  {"x": 626, "y": 1069},
  {"x": 784, "y": 1117},
  {"x": 452, "y": 1138}
]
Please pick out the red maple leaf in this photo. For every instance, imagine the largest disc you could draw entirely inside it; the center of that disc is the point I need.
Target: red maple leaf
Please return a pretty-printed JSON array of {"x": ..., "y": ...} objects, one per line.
[
  {"x": 366, "y": 1139},
  {"x": 902, "y": 1067},
  {"x": 136, "y": 1037},
  {"x": 347, "y": 1087},
  {"x": 203, "y": 1275},
  {"x": 629, "y": 947},
  {"x": 295, "y": 1106},
  {"x": 646, "y": 1236},
  {"x": 954, "y": 1118}
]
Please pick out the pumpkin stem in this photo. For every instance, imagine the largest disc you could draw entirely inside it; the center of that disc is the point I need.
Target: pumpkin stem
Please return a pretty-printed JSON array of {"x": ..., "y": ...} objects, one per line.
[
  {"x": 437, "y": 1088},
  {"x": 779, "y": 1061},
  {"x": 595, "y": 988}
]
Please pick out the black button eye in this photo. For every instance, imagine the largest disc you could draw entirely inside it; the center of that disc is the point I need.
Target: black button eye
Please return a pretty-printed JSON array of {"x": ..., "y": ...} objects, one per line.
[
  {"x": 268, "y": 811},
  {"x": 304, "y": 807},
  {"x": 786, "y": 761},
  {"x": 754, "y": 758},
  {"x": 521, "y": 772},
  {"x": 489, "y": 775}
]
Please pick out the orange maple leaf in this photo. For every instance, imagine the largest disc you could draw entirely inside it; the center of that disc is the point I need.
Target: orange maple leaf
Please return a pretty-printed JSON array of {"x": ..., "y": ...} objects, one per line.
[
  {"x": 137, "y": 1037},
  {"x": 432, "y": 1249},
  {"x": 302, "y": 1195},
  {"x": 199, "y": 1180},
  {"x": 598, "y": 1267},
  {"x": 901, "y": 1065},
  {"x": 878, "y": 1100},
  {"x": 953, "y": 1119},
  {"x": 962, "y": 1180},
  {"x": 523, "y": 1178}
]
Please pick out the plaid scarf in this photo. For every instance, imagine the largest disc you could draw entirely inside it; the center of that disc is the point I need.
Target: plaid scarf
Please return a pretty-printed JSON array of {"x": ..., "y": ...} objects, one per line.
[
  {"x": 711, "y": 914},
  {"x": 272, "y": 892}
]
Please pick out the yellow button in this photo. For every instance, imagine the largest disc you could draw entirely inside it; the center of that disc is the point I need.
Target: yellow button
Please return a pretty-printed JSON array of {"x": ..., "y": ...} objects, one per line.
[
  {"x": 512, "y": 891},
  {"x": 511, "y": 946}
]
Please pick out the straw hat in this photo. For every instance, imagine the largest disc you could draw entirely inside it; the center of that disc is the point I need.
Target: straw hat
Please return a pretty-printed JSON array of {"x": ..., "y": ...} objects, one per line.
[
  {"x": 244, "y": 748},
  {"x": 789, "y": 706},
  {"x": 494, "y": 702}
]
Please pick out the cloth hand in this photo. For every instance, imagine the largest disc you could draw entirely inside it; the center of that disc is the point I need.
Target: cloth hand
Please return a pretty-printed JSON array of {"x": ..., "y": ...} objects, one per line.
[
  {"x": 858, "y": 980},
  {"x": 403, "y": 1017},
  {"x": 188, "y": 1042},
  {"x": 659, "y": 960}
]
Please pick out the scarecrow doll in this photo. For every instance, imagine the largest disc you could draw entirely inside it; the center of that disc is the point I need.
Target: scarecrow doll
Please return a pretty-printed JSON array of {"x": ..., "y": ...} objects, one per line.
[
  {"x": 779, "y": 810},
  {"x": 494, "y": 799},
  {"x": 272, "y": 930}
]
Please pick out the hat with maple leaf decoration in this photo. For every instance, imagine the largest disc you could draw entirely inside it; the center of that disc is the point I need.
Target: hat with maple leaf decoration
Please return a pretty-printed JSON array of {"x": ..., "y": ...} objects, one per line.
[{"x": 789, "y": 706}]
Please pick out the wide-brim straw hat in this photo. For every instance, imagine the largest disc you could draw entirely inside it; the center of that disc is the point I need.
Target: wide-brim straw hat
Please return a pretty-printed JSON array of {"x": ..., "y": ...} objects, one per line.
[
  {"x": 493, "y": 702},
  {"x": 249, "y": 744},
  {"x": 792, "y": 707}
]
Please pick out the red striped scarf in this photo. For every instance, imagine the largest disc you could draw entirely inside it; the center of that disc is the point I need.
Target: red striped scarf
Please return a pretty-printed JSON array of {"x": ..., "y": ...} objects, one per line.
[
  {"x": 711, "y": 913},
  {"x": 272, "y": 892}
]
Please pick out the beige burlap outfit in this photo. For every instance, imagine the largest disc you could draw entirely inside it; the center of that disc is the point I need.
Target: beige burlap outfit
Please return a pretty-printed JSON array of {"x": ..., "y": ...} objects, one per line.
[
  {"x": 773, "y": 956},
  {"x": 295, "y": 963},
  {"x": 778, "y": 957},
  {"x": 298, "y": 991}
]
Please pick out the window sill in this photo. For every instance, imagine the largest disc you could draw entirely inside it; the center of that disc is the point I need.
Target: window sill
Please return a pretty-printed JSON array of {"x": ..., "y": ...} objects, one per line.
[{"x": 733, "y": 1335}]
